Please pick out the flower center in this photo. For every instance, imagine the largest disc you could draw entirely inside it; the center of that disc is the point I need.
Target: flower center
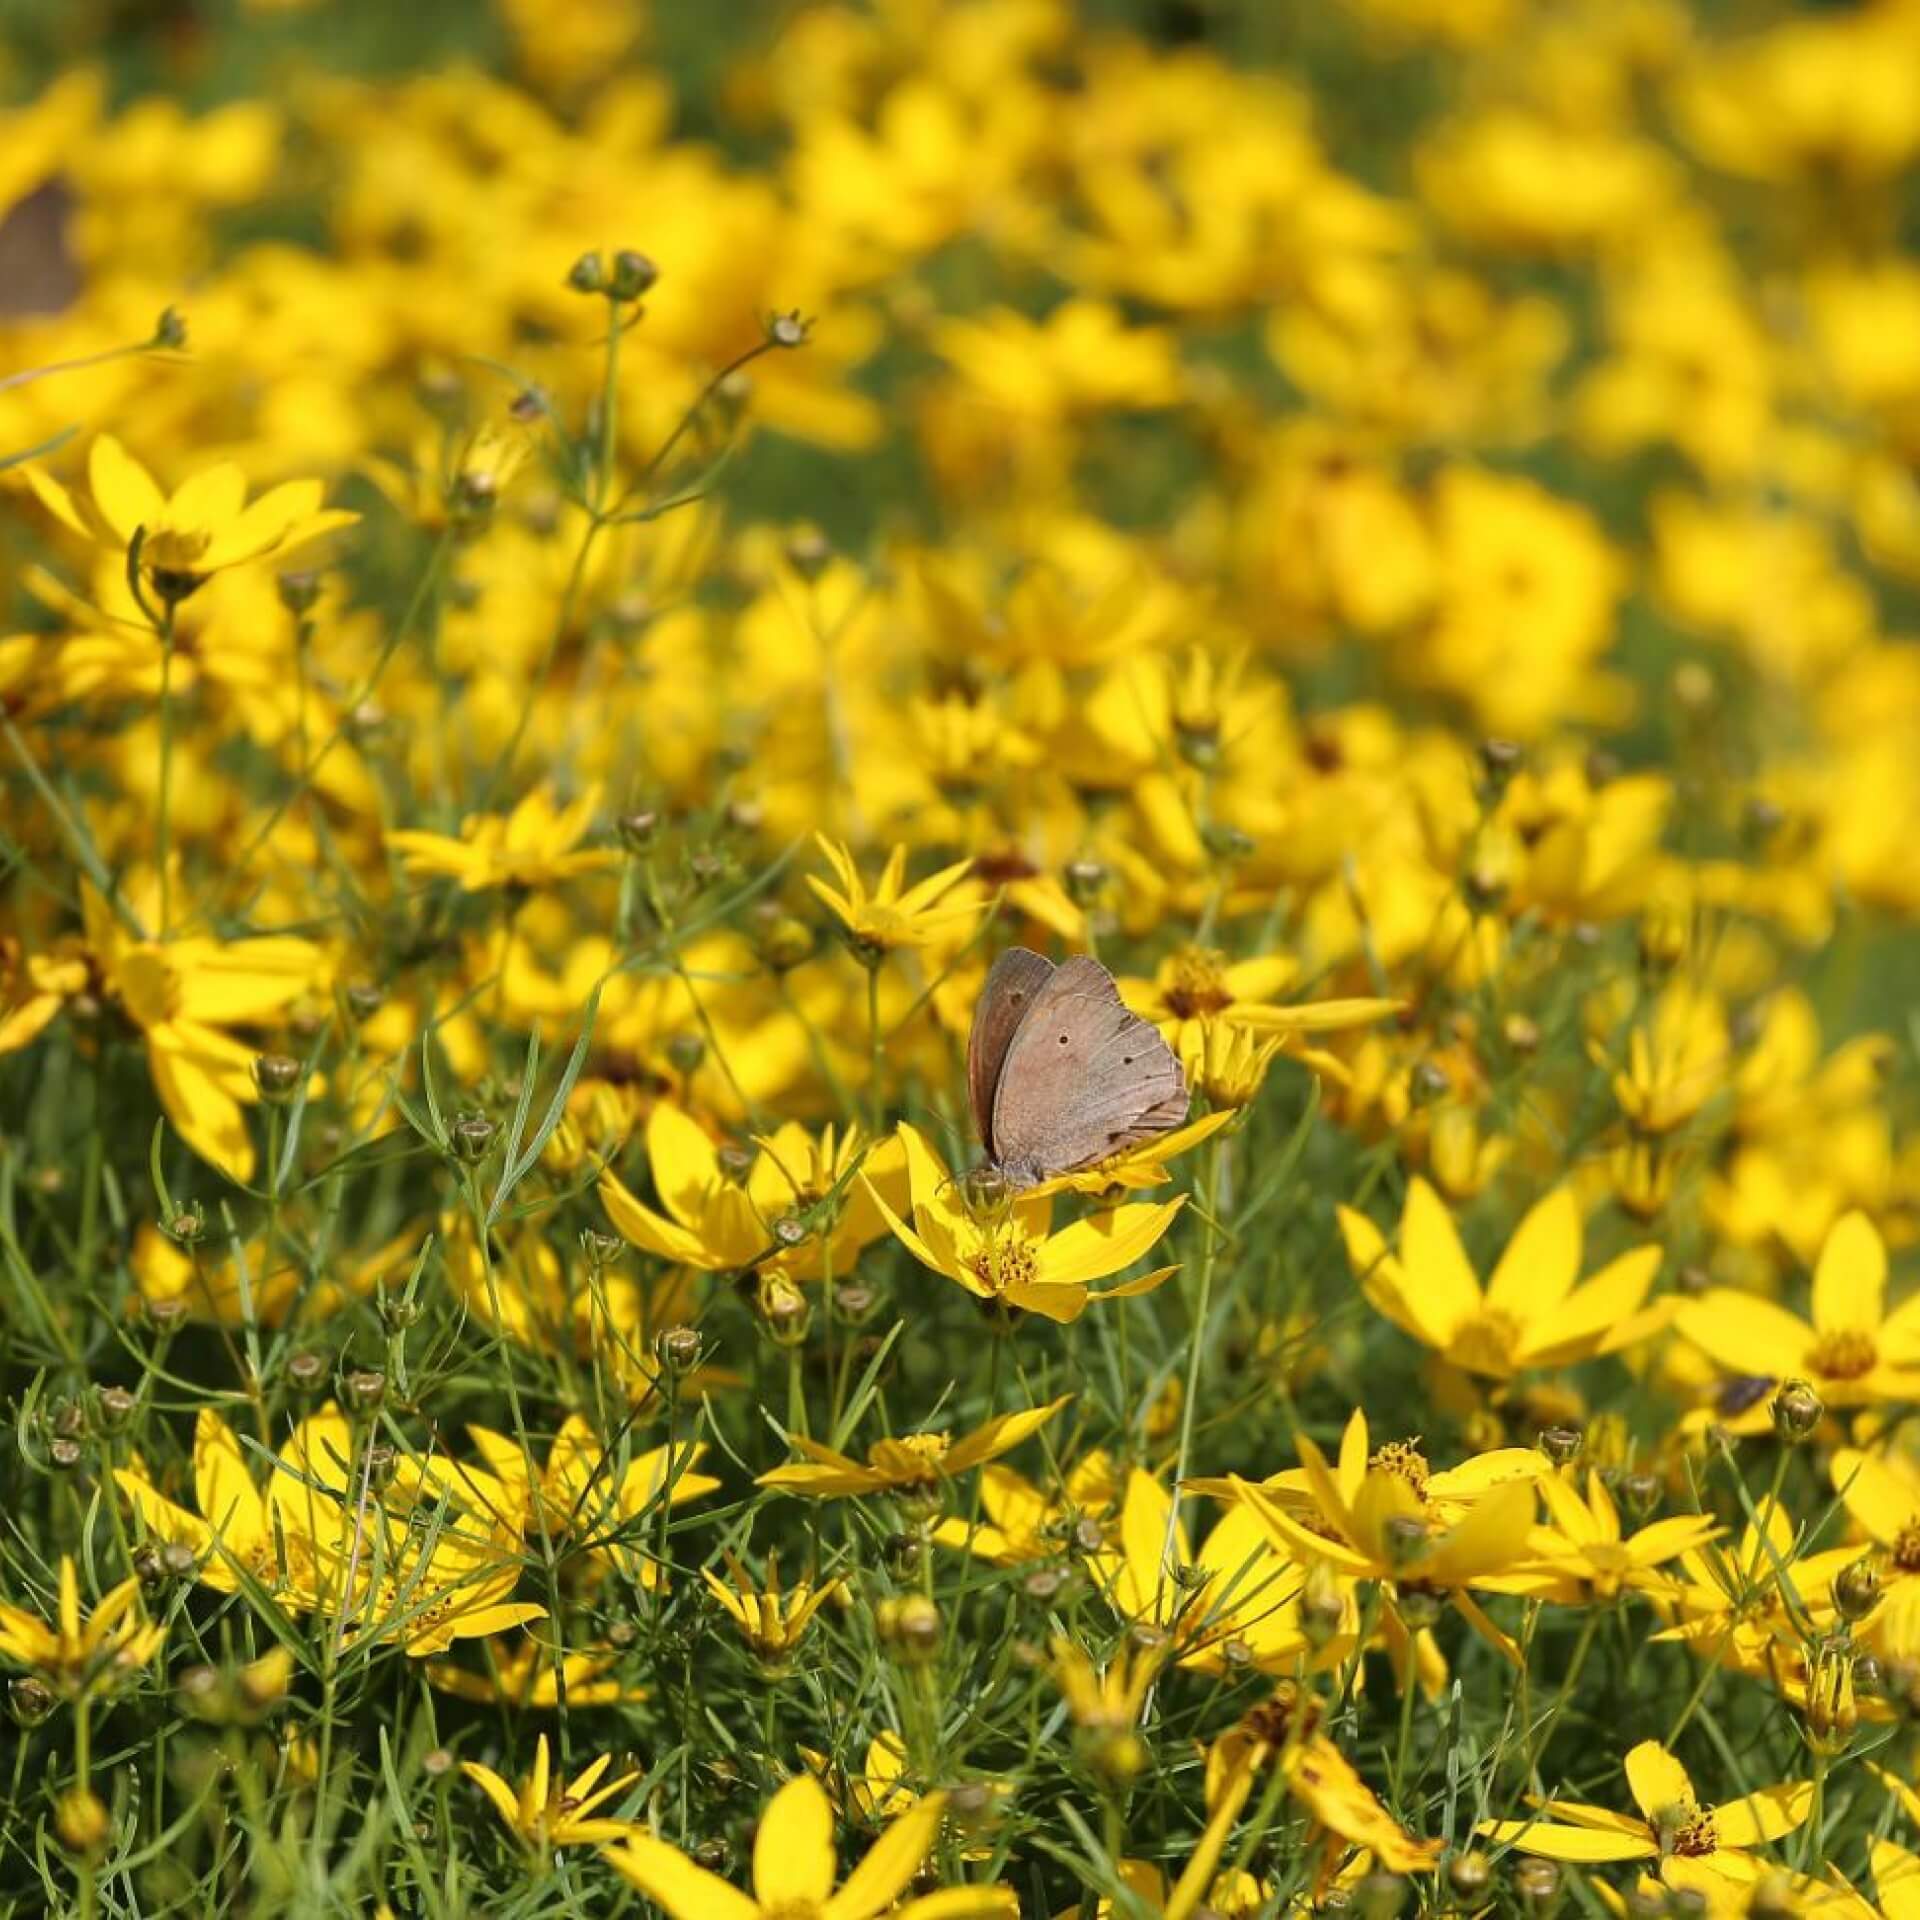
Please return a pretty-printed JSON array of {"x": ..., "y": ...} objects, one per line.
[
  {"x": 1906, "y": 1546},
  {"x": 1004, "y": 1263},
  {"x": 1404, "y": 1460},
  {"x": 1846, "y": 1355},
  {"x": 1199, "y": 984},
  {"x": 1693, "y": 1833},
  {"x": 914, "y": 1456},
  {"x": 149, "y": 987},
  {"x": 1487, "y": 1341}
]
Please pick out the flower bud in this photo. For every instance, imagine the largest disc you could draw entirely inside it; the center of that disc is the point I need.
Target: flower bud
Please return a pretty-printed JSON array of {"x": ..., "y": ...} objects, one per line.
[
  {"x": 277, "y": 1076},
  {"x": 784, "y": 1310},
  {"x": 633, "y": 275},
  {"x": 1380, "y": 1896},
  {"x": 788, "y": 330},
  {"x": 909, "y": 1627},
  {"x": 1856, "y": 1589},
  {"x": 299, "y": 591},
  {"x": 1639, "y": 1494},
  {"x": 188, "y": 1225},
  {"x": 678, "y": 1348},
  {"x": 808, "y": 552},
  {"x": 307, "y": 1370},
  {"x": 1322, "y": 1608},
  {"x": 81, "y": 1820},
  {"x": 472, "y": 1135},
  {"x": 588, "y": 274},
  {"x": 685, "y": 1051},
  {"x": 363, "y": 1000},
  {"x": 1796, "y": 1412},
  {"x": 170, "y": 330},
  {"x": 785, "y": 942},
  {"x": 1537, "y": 1882},
  {"x": 30, "y": 1700},
  {"x": 1499, "y": 761},
  {"x": 1469, "y": 1875},
  {"x": 364, "y": 1389},
  {"x": 1561, "y": 1445}
]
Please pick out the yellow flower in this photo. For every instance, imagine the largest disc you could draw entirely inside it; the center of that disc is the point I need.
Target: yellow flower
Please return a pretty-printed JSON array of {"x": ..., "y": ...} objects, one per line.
[
  {"x": 1853, "y": 1352},
  {"x": 1582, "y": 1556},
  {"x": 1010, "y": 1254},
  {"x": 1389, "y": 1518},
  {"x": 75, "y": 1656},
  {"x": 1736, "y": 1604},
  {"x": 771, "y": 1619},
  {"x": 610, "y": 1509},
  {"x": 182, "y": 994},
  {"x": 1196, "y": 987},
  {"x": 1672, "y": 1824},
  {"x": 1530, "y": 1314},
  {"x": 1023, "y": 1524},
  {"x": 542, "y": 1814},
  {"x": 722, "y": 1215},
  {"x": 233, "y": 1537},
  {"x": 1228, "y": 1065},
  {"x": 1104, "y": 1703},
  {"x": 916, "y": 1465},
  {"x": 1285, "y": 1734},
  {"x": 536, "y": 845},
  {"x": 1232, "y": 1606},
  {"x": 527, "y": 1677},
  {"x": 204, "y": 527},
  {"x": 892, "y": 915},
  {"x": 794, "y": 1869}
]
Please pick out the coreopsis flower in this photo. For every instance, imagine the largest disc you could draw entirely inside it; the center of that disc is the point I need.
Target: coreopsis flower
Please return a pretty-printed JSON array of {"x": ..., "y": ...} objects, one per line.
[
  {"x": 1231, "y": 1606},
  {"x": 1582, "y": 1557},
  {"x": 431, "y": 1557},
  {"x": 204, "y": 527},
  {"x": 542, "y": 1814},
  {"x": 1896, "y": 1879},
  {"x": 1009, "y": 1253},
  {"x": 183, "y": 995},
  {"x": 1529, "y": 1314},
  {"x": 1285, "y": 1732},
  {"x": 1194, "y": 987},
  {"x": 1389, "y": 1517},
  {"x": 75, "y": 1656},
  {"x": 725, "y": 1214},
  {"x": 1853, "y": 1351},
  {"x": 1022, "y": 1523},
  {"x": 794, "y": 1869},
  {"x": 915, "y": 1466},
  {"x": 772, "y": 1619},
  {"x": 1677, "y": 1060},
  {"x": 1671, "y": 1825},
  {"x": 234, "y": 1537},
  {"x": 536, "y": 845},
  {"x": 893, "y": 914},
  {"x": 527, "y": 1675},
  {"x": 1228, "y": 1065},
  {"x": 609, "y": 1510},
  {"x": 1736, "y": 1603}
]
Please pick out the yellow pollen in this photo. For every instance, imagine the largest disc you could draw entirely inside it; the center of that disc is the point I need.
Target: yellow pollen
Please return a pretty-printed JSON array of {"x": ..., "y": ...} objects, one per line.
[
  {"x": 1693, "y": 1832},
  {"x": 1004, "y": 1263},
  {"x": 1906, "y": 1546},
  {"x": 1199, "y": 984},
  {"x": 1847, "y": 1354},
  {"x": 1404, "y": 1460}
]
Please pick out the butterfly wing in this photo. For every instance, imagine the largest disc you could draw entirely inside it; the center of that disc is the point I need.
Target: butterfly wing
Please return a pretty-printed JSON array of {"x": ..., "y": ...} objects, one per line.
[
  {"x": 1082, "y": 1078},
  {"x": 1012, "y": 986}
]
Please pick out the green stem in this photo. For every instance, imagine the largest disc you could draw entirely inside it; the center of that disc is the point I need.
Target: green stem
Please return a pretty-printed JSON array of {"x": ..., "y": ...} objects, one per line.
[
  {"x": 874, "y": 1107},
  {"x": 163, "y": 825},
  {"x": 1196, "y": 1348}
]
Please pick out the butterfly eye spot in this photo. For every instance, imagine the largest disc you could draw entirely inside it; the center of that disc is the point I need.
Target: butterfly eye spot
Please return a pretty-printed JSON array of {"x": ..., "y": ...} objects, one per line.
[{"x": 1063, "y": 1039}]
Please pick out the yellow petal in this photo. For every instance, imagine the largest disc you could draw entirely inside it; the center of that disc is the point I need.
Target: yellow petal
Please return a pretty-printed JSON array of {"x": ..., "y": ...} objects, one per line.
[
  {"x": 1764, "y": 1815},
  {"x": 123, "y": 490},
  {"x": 496, "y": 1790},
  {"x": 1657, "y": 1780},
  {"x": 1092, "y": 1249},
  {"x": 1850, "y": 1282},
  {"x": 665, "y": 1874},
  {"x": 793, "y": 1851},
  {"x": 890, "y": 1864},
  {"x": 1438, "y": 1272},
  {"x": 1541, "y": 1261},
  {"x": 1581, "y": 1845}
]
